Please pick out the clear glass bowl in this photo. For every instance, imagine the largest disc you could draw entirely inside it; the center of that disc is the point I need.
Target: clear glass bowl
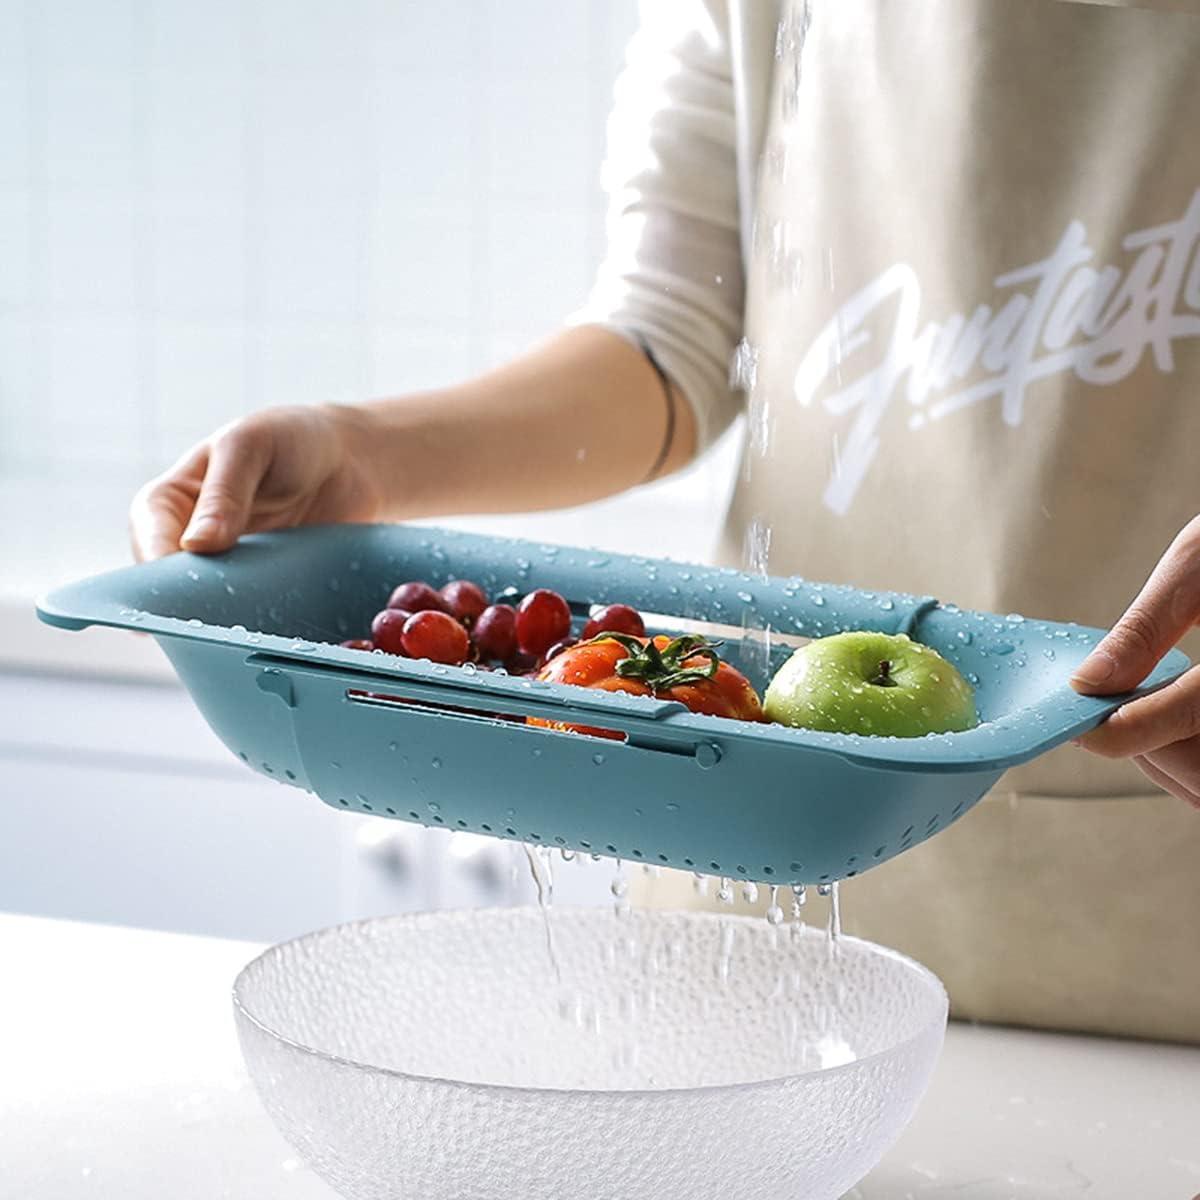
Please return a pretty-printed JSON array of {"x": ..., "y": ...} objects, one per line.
[{"x": 500, "y": 1054}]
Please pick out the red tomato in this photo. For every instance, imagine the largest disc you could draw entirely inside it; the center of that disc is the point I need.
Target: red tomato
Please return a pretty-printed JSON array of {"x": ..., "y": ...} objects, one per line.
[{"x": 686, "y": 669}]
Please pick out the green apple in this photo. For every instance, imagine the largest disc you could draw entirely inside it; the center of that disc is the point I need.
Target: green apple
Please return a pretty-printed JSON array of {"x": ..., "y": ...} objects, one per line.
[{"x": 871, "y": 683}]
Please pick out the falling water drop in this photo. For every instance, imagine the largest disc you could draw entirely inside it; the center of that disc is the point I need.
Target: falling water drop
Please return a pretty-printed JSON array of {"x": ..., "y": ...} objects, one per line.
[{"x": 774, "y": 912}]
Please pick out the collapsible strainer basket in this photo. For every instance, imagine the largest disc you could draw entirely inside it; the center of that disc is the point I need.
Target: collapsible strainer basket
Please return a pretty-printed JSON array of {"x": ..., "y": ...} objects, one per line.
[{"x": 253, "y": 635}]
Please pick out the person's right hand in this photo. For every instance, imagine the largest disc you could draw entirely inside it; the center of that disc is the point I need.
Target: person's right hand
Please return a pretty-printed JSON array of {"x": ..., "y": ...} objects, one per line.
[{"x": 273, "y": 469}]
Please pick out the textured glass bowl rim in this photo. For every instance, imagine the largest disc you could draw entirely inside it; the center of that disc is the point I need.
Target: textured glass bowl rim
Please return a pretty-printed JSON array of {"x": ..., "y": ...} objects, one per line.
[{"x": 613, "y": 1094}]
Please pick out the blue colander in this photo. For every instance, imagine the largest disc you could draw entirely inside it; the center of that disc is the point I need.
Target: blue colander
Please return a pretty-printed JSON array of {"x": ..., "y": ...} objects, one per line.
[{"x": 254, "y": 634}]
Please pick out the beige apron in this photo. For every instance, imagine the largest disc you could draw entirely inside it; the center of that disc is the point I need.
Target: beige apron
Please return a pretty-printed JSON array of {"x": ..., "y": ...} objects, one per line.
[{"x": 975, "y": 293}]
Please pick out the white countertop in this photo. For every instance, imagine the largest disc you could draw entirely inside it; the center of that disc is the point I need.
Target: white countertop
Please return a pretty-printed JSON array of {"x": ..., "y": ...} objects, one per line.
[{"x": 120, "y": 1080}]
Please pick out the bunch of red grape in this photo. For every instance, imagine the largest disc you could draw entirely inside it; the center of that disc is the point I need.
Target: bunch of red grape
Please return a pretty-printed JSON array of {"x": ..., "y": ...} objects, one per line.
[{"x": 457, "y": 624}]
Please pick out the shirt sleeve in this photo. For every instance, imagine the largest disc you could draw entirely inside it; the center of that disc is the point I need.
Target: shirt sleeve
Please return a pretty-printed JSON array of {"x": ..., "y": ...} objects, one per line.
[{"x": 673, "y": 272}]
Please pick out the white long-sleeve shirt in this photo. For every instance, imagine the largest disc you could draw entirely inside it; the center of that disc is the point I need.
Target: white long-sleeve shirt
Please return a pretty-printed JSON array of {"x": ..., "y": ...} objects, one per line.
[{"x": 684, "y": 138}]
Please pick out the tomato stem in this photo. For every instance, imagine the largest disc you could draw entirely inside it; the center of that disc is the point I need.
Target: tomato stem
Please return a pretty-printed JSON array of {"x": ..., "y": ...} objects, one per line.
[{"x": 663, "y": 668}]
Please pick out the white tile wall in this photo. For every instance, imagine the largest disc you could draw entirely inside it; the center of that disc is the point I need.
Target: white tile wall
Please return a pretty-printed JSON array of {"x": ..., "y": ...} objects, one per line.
[{"x": 208, "y": 208}]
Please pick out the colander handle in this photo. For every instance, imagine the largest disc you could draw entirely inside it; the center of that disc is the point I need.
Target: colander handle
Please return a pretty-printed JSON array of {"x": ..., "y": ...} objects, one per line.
[{"x": 551, "y": 702}]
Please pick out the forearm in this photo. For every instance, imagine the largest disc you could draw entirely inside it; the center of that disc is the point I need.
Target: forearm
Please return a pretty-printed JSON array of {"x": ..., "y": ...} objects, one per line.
[{"x": 580, "y": 417}]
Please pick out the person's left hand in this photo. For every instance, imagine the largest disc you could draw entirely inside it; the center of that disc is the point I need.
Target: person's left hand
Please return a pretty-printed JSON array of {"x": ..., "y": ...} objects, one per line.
[{"x": 1161, "y": 731}]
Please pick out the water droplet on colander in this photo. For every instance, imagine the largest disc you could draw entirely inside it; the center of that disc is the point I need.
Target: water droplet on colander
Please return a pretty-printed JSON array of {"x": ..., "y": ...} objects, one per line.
[
  {"x": 824, "y": 889},
  {"x": 435, "y": 763},
  {"x": 685, "y": 575},
  {"x": 193, "y": 575},
  {"x": 254, "y": 638},
  {"x": 799, "y": 900},
  {"x": 537, "y": 752},
  {"x": 597, "y": 563},
  {"x": 750, "y": 892},
  {"x": 303, "y": 647},
  {"x": 598, "y": 759},
  {"x": 619, "y": 886},
  {"x": 1014, "y": 618},
  {"x": 1003, "y": 648},
  {"x": 672, "y": 807},
  {"x": 195, "y": 622},
  {"x": 700, "y": 883},
  {"x": 434, "y": 806},
  {"x": 972, "y": 679},
  {"x": 393, "y": 746},
  {"x": 725, "y": 891},
  {"x": 965, "y": 636},
  {"x": 746, "y": 597},
  {"x": 887, "y": 604},
  {"x": 1049, "y": 654},
  {"x": 775, "y": 915},
  {"x": 818, "y": 600}
]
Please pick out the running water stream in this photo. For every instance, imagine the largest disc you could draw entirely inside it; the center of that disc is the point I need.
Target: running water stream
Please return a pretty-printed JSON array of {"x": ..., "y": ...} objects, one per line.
[
  {"x": 786, "y": 267},
  {"x": 542, "y": 869}
]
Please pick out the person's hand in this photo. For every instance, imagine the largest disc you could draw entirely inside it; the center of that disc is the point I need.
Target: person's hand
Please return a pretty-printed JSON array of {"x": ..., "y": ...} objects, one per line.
[
  {"x": 275, "y": 468},
  {"x": 1161, "y": 731}
]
